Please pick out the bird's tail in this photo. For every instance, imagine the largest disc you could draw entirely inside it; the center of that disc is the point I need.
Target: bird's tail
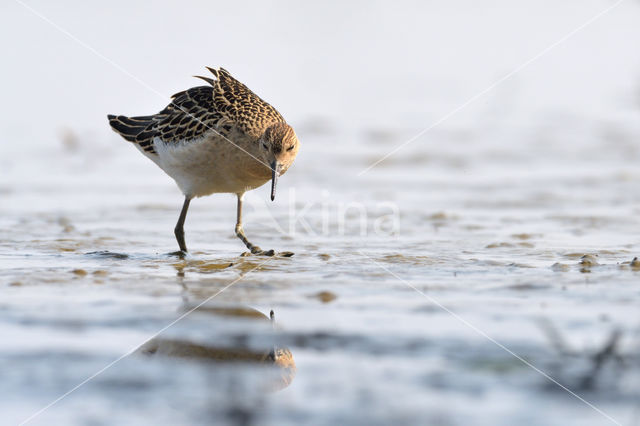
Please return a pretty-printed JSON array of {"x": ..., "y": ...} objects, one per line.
[{"x": 129, "y": 127}]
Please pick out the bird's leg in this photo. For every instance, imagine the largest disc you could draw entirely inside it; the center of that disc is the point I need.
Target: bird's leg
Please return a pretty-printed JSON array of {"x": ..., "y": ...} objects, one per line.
[
  {"x": 240, "y": 233},
  {"x": 179, "y": 230}
]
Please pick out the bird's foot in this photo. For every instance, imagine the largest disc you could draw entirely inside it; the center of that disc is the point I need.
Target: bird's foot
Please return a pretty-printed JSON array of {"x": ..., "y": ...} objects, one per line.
[
  {"x": 180, "y": 253},
  {"x": 259, "y": 252}
]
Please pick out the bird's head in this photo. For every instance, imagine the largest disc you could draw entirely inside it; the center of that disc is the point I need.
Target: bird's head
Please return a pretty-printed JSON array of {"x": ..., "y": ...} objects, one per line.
[{"x": 279, "y": 147}]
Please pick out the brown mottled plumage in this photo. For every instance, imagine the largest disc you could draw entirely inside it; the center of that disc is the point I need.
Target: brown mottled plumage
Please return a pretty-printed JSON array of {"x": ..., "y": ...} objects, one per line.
[
  {"x": 212, "y": 139},
  {"x": 225, "y": 106}
]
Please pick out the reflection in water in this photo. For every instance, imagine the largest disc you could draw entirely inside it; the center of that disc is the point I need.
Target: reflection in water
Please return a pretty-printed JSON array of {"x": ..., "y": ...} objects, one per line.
[{"x": 279, "y": 365}]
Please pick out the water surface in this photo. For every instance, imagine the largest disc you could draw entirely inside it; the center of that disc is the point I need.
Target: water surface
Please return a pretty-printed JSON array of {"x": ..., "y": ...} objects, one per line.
[{"x": 474, "y": 277}]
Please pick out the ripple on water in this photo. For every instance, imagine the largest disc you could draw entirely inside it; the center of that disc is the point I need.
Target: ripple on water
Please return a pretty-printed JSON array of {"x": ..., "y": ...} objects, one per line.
[
  {"x": 108, "y": 255},
  {"x": 397, "y": 258}
]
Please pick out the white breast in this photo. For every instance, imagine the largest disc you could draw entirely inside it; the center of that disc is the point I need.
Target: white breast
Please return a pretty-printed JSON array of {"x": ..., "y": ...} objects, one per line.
[{"x": 204, "y": 166}]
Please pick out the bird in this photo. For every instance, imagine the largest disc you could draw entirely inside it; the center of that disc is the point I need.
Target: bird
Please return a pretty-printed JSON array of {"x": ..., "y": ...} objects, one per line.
[
  {"x": 216, "y": 138},
  {"x": 269, "y": 353}
]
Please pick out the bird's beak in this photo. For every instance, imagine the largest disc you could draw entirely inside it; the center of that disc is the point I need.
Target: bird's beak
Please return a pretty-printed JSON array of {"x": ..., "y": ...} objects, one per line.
[{"x": 275, "y": 172}]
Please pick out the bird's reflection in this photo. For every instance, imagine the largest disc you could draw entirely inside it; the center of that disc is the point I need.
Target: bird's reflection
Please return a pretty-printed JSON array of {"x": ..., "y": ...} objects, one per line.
[{"x": 229, "y": 350}]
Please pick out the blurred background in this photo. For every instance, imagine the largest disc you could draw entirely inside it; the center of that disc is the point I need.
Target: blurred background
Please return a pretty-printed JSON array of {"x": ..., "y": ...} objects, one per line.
[{"x": 509, "y": 212}]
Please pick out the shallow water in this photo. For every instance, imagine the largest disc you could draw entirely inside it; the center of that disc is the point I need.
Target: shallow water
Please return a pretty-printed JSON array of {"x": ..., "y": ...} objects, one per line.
[
  {"x": 484, "y": 274},
  {"x": 485, "y": 255}
]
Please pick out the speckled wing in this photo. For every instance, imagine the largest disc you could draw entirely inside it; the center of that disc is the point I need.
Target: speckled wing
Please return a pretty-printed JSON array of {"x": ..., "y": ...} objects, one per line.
[
  {"x": 239, "y": 106},
  {"x": 190, "y": 116},
  {"x": 224, "y": 107}
]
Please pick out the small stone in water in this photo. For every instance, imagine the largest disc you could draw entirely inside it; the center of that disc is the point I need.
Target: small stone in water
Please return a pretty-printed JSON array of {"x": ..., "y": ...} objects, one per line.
[
  {"x": 325, "y": 296},
  {"x": 588, "y": 260}
]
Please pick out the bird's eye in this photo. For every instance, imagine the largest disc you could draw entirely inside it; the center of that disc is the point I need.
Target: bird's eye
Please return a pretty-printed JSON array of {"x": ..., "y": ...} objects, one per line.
[
  {"x": 290, "y": 148},
  {"x": 264, "y": 146}
]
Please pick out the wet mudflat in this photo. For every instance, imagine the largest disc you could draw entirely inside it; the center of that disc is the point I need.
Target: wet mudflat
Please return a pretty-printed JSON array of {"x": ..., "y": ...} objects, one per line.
[
  {"x": 423, "y": 292},
  {"x": 483, "y": 274}
]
